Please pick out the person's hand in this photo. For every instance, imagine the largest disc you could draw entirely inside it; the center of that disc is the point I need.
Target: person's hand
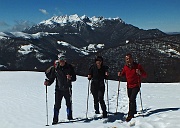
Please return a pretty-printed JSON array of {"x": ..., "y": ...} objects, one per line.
[
  {"x": 68, "y": 77},
  {"x": 119, "y": 74},
  {"x": 46, "y": 82},
  {"x": 138, "y": 72},
  {"x": 89, "y": 77}
]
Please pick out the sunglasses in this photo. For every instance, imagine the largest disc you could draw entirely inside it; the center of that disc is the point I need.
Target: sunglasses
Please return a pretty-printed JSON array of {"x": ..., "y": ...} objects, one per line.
[{"x": 62, "y": 58}]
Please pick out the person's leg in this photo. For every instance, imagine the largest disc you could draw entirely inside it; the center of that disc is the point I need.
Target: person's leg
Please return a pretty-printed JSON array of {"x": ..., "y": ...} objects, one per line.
[
  {"x": 57, "y": 106},
  {"x": 133, "y": 101},
  {"x": 132, "y": 93},
  {"x": 94, "y": 91},
  {"x": 102, "y": 102},
  {"x": 129, "y": 92},
  {"x": 67, "y": 96}
]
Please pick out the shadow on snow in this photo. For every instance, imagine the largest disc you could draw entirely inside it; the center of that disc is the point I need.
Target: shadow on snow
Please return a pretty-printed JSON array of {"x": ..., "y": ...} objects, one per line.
[
  {"x": 112, "y": 117},
  {"x": 151, "y": 112}
]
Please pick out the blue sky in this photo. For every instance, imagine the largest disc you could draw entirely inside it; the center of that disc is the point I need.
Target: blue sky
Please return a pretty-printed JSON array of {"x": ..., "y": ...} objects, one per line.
[{"x": 145, "y": 14}]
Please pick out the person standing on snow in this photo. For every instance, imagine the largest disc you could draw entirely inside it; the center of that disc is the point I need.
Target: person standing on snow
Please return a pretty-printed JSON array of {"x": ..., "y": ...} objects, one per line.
[
  {"x": 64, "y": 74},
  {"x": 97, "y": 73},
  {"x": 133, "y": 72}
]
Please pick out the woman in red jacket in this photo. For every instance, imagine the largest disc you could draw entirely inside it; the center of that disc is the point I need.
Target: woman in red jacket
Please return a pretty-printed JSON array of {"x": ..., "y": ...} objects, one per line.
[{"x": 133, "y": 73}]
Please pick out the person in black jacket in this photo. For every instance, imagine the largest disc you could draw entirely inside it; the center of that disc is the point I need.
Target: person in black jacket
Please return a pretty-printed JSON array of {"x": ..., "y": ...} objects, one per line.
[
  {"x": 64, "y": 74},
  {"x": 97, "y": 73}
]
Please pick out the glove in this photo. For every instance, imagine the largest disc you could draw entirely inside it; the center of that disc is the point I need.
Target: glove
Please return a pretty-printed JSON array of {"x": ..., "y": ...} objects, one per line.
[{"x": 46, "y": 82}]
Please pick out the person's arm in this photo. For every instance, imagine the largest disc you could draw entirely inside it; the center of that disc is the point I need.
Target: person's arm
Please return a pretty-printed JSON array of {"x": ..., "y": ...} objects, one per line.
[
  {"x": 90, "y": 72},
  {"x": 106, "y": 72},
  {"x": 50, "y": 74},
  {"x": 121, "y": 73},
  {"x": 141, "y": 72},
  {"x": 73, "y": 74}
]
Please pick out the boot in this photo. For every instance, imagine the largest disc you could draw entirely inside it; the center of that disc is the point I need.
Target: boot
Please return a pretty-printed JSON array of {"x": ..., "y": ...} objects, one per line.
[
  {"x": 55, "y": 118},
  {"x": 104, "y": 114},
  {"x": 96, "y": 107},
  {"x": 69, "y": 114},
  {"x": 129, "y": 118},
  {"x": 103, "y": 107},
  {"x": 97, "y": 112}
]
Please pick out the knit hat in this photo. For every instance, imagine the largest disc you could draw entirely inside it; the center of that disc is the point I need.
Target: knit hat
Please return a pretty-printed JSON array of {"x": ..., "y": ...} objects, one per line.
[{"x": 61, "y": 56}]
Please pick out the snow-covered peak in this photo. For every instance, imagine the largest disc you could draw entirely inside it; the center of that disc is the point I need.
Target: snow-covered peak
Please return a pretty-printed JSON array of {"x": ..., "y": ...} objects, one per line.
[
  {"x": 75, "y": 18},
  {"x": 96, "y": 19},
  {"x": 84, "y": 17},
  {"x": 61, "y": 19}
]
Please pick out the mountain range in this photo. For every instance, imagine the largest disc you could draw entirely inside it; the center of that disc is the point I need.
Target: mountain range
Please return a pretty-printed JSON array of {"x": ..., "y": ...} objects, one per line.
[{"x": 81, "y": 38}]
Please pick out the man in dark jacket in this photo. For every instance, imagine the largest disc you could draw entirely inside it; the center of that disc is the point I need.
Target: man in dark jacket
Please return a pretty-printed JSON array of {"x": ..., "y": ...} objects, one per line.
[
  {"x": 64, "y": 74},
  {"x": 133, "y": 72},
  {"x": 98, "y": 72}
]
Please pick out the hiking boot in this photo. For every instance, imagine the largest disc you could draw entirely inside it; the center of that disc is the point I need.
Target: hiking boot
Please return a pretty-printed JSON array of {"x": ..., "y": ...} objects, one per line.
[
  {"x": 97, "y": 112},
  {"x": 69, "y": 117},
  {"x": 55, "y": 118},
  {"x": 105, "y": 114},
  {"x": 129, "y": 118},
  {"x": 55, "y": 121},
  {"x": 69, "y": 114},
  {"x": 96, "y": 108}
]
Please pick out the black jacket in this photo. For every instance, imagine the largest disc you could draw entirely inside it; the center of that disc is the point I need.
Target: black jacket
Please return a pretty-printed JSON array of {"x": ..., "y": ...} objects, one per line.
[
  {"x": 98, "y": 74},
  {"x": 59, "y": 73}
]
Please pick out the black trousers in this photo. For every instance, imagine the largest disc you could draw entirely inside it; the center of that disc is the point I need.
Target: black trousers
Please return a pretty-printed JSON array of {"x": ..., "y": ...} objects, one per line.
[
  {"x": 59, "y": 94},
  {"x": 98, "y": 90},
  {"x": 132, "y": 94}
]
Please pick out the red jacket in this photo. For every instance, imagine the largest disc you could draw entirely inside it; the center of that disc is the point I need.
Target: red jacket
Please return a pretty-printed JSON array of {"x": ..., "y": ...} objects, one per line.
[{"x": 133, "y": 79}]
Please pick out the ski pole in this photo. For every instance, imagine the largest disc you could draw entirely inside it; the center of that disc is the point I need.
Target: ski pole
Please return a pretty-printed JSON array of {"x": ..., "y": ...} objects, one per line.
[
  {"x": 140, "y": 95},
  {"x": 141, "y": 102},
  {"x": 107, "y": 95},
  {"x": 87, "y": 98},
  {"x": 70, "y": 92},
  {"x": 46, "y": 106},
  {"x": 118, "y": 95}
]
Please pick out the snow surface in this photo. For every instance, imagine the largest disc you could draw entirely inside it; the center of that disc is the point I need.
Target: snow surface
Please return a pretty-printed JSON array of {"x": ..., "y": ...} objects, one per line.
[
  {"x": 72, "y": 47},
  {"x": 171, "y": 52},
  {"x": 25, "y": 49},
  {"x": 23, "y": 104},
  {"x": 83, "y": 50},
  {"x": 24, "y": 35}
]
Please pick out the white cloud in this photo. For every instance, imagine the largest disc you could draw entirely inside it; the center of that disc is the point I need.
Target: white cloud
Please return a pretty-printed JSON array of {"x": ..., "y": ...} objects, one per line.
[
  {"x": 43, "y": 11},
  {"x": 21, "y": 25}
]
